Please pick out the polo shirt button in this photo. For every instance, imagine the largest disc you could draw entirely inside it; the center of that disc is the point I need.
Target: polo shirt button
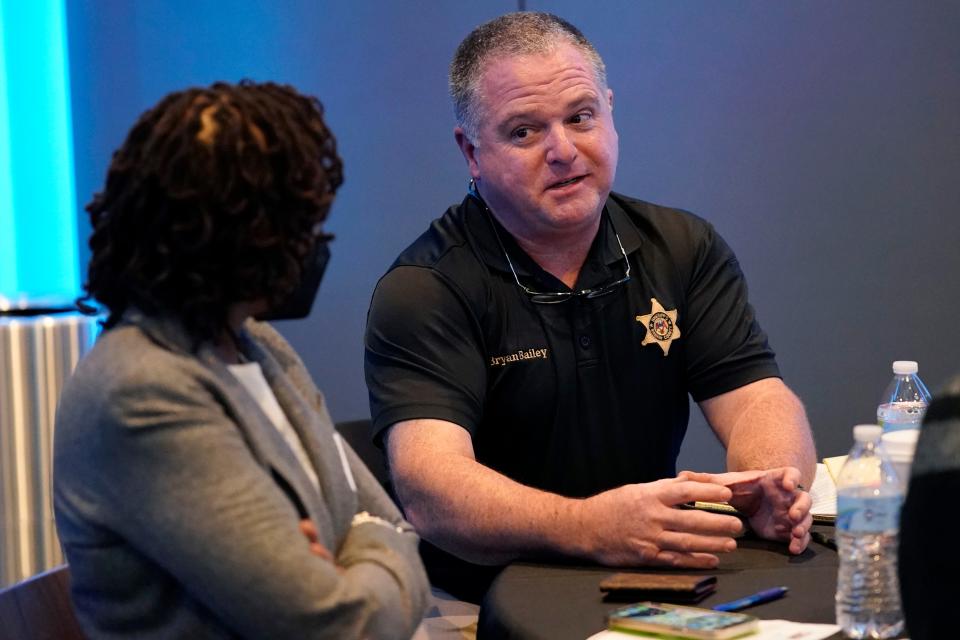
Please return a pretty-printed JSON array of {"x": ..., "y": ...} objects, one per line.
[{"x": 585, "y": 341}]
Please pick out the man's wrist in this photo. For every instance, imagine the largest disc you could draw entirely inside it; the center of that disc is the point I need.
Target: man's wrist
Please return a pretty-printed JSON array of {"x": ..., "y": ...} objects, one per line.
[{"x": 574, "y": 528}]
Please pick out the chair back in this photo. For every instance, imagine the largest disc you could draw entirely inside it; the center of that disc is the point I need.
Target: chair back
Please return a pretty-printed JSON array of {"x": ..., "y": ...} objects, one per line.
[
  {"x": 357, "y": 435},
  {"x": 39, "y": 608}
]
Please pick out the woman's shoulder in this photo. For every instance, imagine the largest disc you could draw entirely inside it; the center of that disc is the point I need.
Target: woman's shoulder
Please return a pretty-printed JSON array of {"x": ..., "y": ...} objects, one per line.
[
  {"x": 125, "y": 368},
  {"x": 128, "y": 354}
]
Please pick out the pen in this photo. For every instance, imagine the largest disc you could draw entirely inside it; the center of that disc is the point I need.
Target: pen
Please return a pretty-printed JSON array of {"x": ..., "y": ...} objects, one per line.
[{"x": 757, "y": 598}]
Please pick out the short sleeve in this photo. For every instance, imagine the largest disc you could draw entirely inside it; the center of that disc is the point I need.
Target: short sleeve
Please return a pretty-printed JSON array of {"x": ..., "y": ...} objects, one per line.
[
  {"x": 726, "y": 347},
  {"x": 423, "y": 351}
]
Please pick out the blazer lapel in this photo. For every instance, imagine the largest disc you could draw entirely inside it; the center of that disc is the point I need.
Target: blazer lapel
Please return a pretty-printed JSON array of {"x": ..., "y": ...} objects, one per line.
[
  {"x": 316, "y": 434},
  {"x": 267, "y": 444},
  {"x": 332, "y": 513}
]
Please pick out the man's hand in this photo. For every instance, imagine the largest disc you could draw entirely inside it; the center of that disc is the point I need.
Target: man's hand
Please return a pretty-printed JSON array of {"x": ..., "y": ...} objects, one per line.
[
  {"x": 772, "y": 500},
  {"x": 639, "y": 524}
]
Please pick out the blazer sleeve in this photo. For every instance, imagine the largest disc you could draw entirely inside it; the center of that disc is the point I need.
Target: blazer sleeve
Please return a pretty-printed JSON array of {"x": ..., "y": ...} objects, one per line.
[
  {"x": 373, "y": 543},
  {"x": 180, "y": 484},
  {"x": 365, "y": 543}
]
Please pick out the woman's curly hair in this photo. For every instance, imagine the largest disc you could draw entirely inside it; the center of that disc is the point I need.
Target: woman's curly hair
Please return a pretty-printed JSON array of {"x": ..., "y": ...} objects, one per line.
[{"x": 215, "y": 197}]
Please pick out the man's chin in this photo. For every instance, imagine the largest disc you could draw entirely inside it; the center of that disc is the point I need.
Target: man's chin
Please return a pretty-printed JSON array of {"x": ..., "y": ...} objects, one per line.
[{"x": 576, "y": 210}]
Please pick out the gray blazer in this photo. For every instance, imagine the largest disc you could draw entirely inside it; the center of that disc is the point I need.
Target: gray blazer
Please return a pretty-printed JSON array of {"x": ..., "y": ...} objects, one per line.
[{"x": 178, "y": 502}]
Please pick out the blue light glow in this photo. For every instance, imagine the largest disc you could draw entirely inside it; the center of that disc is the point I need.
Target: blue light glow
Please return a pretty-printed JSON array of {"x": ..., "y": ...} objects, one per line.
[
  {"x": 38, "y": 235},
  {"x": 8, "y": 256}
]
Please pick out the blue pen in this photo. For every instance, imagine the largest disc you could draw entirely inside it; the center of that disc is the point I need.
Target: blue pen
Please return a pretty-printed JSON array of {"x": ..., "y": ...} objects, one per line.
[{"x": 757, "y": 598}]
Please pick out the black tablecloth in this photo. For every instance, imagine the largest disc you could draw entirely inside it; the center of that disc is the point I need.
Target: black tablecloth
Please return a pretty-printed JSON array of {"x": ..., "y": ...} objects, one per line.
[{"x": 552, "y": 602}]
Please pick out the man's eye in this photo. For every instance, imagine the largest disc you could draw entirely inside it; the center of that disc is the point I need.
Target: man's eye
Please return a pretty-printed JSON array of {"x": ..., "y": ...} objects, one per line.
[
  {"x": 581, "y": 118},
  {"x": 520, "y": 133}
]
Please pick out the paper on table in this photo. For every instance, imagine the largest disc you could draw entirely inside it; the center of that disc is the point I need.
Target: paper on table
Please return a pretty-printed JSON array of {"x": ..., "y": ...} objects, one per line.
[
  {"x": 823, "y": 493},
  {"x": 833, "y": 466},
  {"x": 769, "y": 630}
]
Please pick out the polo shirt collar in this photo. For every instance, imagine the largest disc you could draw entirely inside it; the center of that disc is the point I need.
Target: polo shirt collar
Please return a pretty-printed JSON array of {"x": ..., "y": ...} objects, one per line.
[
  {"x": 481, "y": 224},
  {"x": 625, "y": 228}
]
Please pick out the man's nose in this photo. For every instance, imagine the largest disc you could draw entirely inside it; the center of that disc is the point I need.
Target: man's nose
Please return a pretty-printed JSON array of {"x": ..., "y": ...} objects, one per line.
[{"x": 560, "y": 147}]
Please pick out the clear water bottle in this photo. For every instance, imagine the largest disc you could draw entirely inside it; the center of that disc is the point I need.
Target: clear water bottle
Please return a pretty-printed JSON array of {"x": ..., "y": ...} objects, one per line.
[
  {"x": 905, "y": 400},
  {"x": 868, "y": 521}
]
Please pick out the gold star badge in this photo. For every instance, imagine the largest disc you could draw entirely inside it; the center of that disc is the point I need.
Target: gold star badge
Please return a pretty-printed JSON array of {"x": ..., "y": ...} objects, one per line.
[{"x": 661, "y": 326}]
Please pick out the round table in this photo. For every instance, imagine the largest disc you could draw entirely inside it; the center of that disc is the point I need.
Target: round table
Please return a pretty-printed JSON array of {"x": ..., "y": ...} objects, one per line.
[{"x": 531, "y": 601}]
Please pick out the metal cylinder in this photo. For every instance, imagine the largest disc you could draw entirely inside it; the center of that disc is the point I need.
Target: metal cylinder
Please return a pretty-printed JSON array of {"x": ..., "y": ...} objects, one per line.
[{"x": 37, "y": 353}]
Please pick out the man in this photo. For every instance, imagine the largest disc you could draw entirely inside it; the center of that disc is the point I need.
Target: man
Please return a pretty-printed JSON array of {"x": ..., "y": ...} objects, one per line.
[{"x": 529, "y": 357}]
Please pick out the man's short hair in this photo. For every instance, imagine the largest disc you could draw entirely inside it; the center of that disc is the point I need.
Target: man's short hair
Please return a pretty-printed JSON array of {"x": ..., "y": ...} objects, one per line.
[{"x": 513, "y": 34}]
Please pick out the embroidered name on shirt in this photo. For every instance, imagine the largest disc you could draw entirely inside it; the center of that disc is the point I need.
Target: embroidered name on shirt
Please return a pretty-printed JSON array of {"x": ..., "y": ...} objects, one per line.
[{"x": 521, "y": 354}]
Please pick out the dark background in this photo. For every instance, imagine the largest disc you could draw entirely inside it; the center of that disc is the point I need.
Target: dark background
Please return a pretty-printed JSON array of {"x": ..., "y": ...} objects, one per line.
[{"x": 822, "y": 139}]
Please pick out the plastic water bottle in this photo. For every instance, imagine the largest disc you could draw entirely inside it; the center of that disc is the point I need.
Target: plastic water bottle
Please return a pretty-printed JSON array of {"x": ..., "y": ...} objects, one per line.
[
  {"x": 868, "y": 521},
  {"x": 905, "y": 400}
]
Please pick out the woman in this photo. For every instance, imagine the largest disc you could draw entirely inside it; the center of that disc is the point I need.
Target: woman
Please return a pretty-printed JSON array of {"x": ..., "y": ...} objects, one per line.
[{"x": 200, "y": 489}]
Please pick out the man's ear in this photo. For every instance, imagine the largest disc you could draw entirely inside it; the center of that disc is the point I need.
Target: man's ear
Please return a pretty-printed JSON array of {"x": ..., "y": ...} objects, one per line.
[
  {"x": 610, "y": 98},
  {"x": 469, "y": 151}
]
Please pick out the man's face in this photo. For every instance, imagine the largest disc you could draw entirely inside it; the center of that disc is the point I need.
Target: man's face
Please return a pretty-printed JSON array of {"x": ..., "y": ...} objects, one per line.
[{"x": 546, "y": 149}]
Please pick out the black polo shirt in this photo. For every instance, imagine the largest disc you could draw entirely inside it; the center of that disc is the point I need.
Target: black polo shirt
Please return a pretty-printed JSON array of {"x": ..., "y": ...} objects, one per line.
[{"x": 564, "y": 397}]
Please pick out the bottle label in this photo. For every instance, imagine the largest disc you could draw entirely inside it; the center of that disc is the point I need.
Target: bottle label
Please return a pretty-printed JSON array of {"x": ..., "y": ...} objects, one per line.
[
  {"x": 894, "y": 416},
  {"x": 868, "y": 515}
]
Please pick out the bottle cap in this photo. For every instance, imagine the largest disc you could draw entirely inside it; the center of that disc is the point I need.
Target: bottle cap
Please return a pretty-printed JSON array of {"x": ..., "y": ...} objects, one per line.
[
  {"x": 867, "y": 432},
  {"x": 901, "y": 444},
  {"x": 905, "y": 367}
]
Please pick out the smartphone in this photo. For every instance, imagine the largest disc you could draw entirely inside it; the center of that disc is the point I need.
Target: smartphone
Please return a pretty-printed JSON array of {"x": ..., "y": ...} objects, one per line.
[
  {"x": 681, "y": 622},
  {"x": 666, "y": 587}
]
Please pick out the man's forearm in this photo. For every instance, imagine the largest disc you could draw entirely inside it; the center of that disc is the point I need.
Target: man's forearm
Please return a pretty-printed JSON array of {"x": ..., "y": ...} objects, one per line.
[
  {"x": 772, "y": 431},
  {"x": 483, "y": 516},
  {"x": 480, "y": 515}
]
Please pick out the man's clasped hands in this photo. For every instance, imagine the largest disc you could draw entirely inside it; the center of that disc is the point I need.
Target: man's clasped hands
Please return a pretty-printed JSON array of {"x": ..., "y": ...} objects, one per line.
[{"x": 644, "y": 524}]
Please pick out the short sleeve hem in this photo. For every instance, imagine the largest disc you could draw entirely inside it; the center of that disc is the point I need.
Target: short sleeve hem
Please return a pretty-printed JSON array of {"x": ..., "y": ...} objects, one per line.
[
  {"x": 393, "y": 415},
  {"x": 730, "y": 378}
]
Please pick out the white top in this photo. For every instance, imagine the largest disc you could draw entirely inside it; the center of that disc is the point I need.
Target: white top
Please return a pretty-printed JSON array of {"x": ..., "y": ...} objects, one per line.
[
  {"x": 905, "y": 367},
  {"x": 251, "y": 376}
]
